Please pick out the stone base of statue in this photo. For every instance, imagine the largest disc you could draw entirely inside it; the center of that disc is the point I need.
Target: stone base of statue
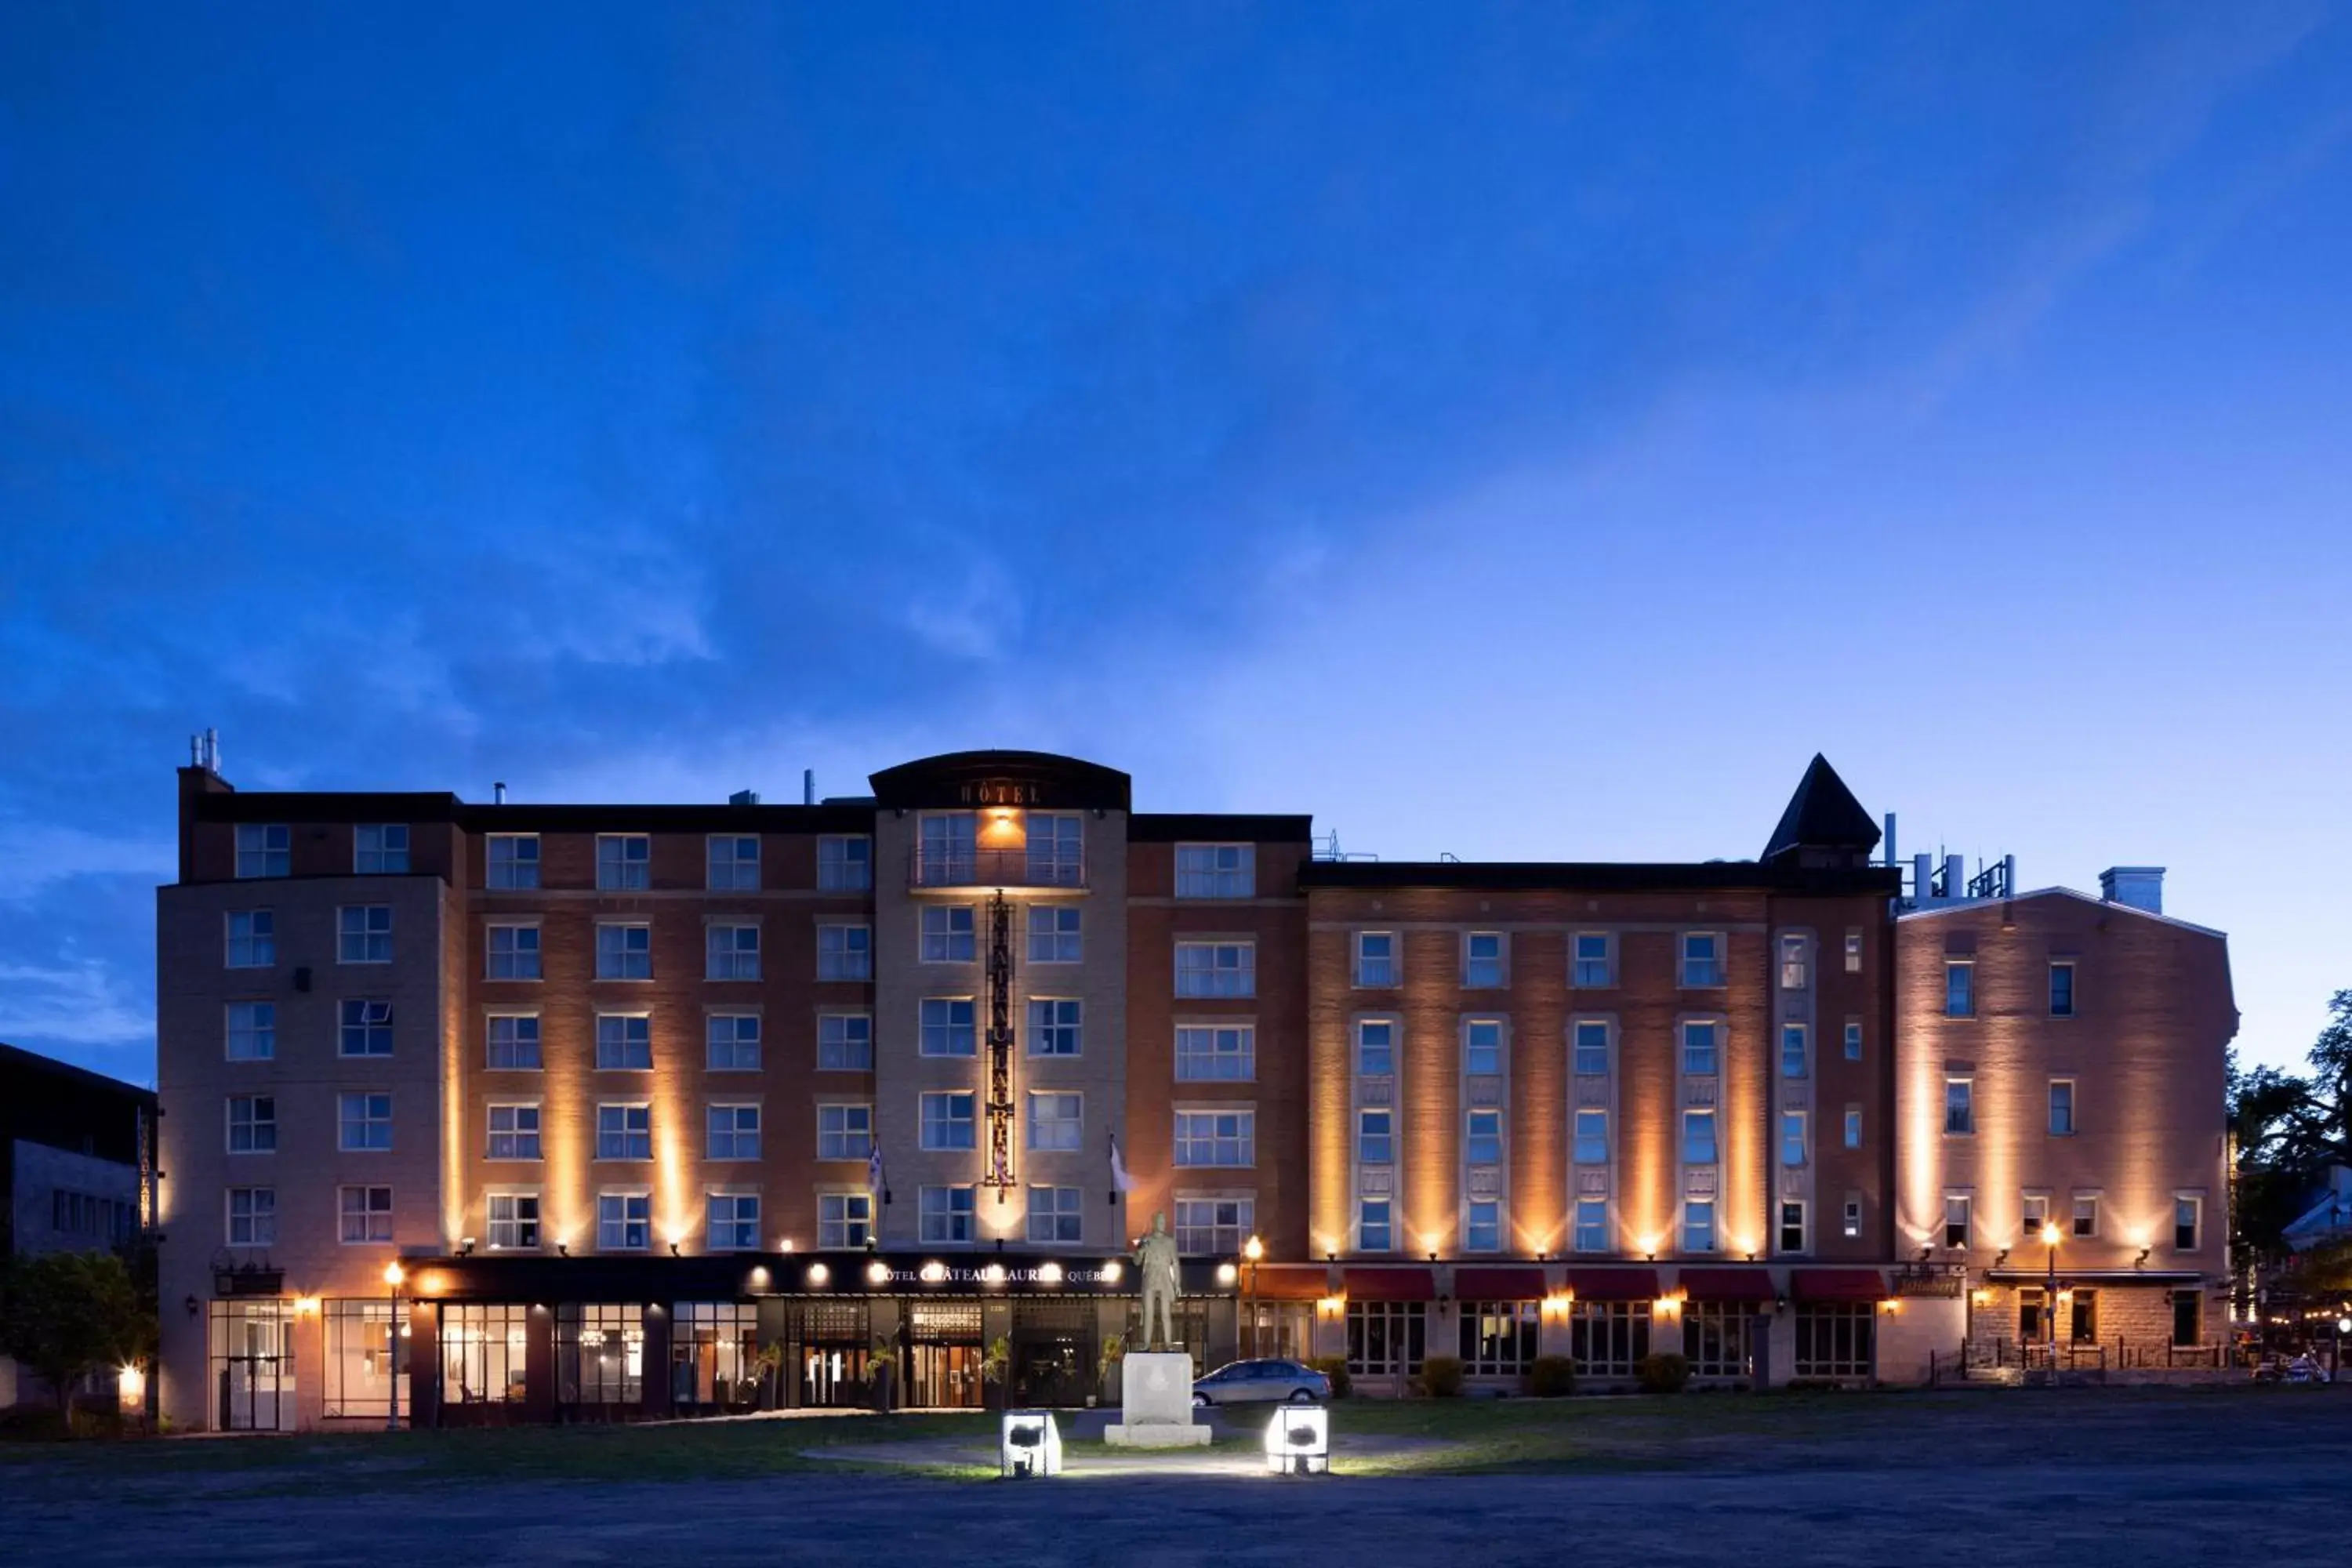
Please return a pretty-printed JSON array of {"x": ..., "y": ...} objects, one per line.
[{"x": 1155, "y": 1403}]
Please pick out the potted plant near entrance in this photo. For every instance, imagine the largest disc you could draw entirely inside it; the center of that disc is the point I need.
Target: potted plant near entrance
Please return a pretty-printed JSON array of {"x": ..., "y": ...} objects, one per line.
[
  {"x": 1114, "y": 1350},
  {"x": 995, "y": 1366},
  {"x": 881, "y": 1365}
]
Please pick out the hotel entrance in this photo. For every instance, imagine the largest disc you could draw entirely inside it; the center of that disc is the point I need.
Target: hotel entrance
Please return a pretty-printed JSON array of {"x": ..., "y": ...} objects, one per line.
[
  {"x": 943, "y": 1355},
  {"x": 252, "y": 1357}
]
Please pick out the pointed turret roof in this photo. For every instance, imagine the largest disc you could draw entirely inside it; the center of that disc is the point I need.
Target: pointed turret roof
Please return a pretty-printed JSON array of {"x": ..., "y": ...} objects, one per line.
[{"x": 1822, "y": 815}]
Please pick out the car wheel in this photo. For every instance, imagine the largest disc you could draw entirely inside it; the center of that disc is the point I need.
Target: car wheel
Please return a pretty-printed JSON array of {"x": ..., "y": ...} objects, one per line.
[
  {"x": 1300, "y": 1396},
  {"x": 1200, "y": 1401}
]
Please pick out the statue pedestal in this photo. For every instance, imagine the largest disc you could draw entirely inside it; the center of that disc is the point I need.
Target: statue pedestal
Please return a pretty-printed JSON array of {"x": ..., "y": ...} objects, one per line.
[{"x": 1155, "y": 1403}]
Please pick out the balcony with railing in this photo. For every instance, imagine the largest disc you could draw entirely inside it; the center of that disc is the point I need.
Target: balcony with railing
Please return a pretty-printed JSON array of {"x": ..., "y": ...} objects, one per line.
[{"x": 963, "y": 869}]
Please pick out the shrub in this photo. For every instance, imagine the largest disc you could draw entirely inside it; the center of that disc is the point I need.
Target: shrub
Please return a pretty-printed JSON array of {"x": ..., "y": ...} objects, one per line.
[
  {"x": 1334, "y": 1367},
  {"x": 1551, "y": 1376},
  {"x": 1663, "y": 1373},
  {"x": 1442, "y": 1377}
]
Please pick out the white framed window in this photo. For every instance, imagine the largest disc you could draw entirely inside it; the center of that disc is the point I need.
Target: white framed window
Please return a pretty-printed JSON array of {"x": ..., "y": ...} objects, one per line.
[
  {"x": 1589, "y": 1037},
  {"x": 946, "y": 1215},
  {"x": 1482, "y": 1226},
  {"x": 1216, "y": 1227},
  {"x": 1793, "y": 1054},
  {"x": 252, "y": 938},
  {"x": 514, "y": 1222},
  {"x": 1701, "y": 1057},
  {"x": 845, "y": 862},
  {"x": 1699, "y": 1138},
  {"x": 1792, "y": 962},
  {"x": 845, "y": 1132},
  {"x": 1216, "y": 969},
  {"x": 950, "y": 1026},
  {"x": 513, "y": 1040},
  {"x": 1702, "y": 960},
  {"x": 845, "y": 1221},
  {"x": 2034, "y": 1208},
  {"x": 1853, "y": 1039},
  {"x": 1216, "y": 1137},
  {"x": 253, "y": 1215},
  {"x": 252, "y": 1124},
  {"x": 1054, "y": 1026},
  {"x": 731, "y": 1042},
  {"x": 844, "y": 1042},
  {"x": 624, "y": 862},
  {"x": 1956, "y": 1219},
  {"x": 1698, "y": 1225},
  {"x": 380, "y": 849},
  {"x": 1053, "y": 936},
  {"x": 365, "y": 1214},
  {"x": 513, "y": 952},
  {"x": 1482, "y": 959},
  {"x": 624, "y": 1129},
  {"x": 733, "y": 1129},
  {"x": 1853, "y": 1126},
  {"x": 1216, "y": 871},
  {"x": 1375, "y": 1047},
  {"x": 1959, "y": 988},
  {"x": 363, "y": 1122},
  {"x": 1482, "y": 1047},
  {"x": 624, "y": 949},
  {"x": 845, "y": 951},
  {"x": 1057, "y": 849},
  {"x": 1592, "y": 1224},
  {"x": 1792, "y": 1138},
  {"x": 947, "y": 1121},
  {"x": 731, "y": 951},
  {"x": 1058, "y": 1216},
  {"x": 1595, "y": 964},
  {"x": 514, "y": 1131},
  {"x": 363, "y": 1027},
  {"x": 1056, "y": 1121},
  {"x": 1375, "y": 1137},
  {"x": 2062, "y": 1108},
  {"x": 625, "y": 1221},
  {"x": 1482, "y": 1137},
  {"x": 624, "y": 1042},
  {"x": 1792, "y": 1225},
  {"x": 947, "y": 934},
  {"x": 949, "y": 849},
  {"x": 511, "y": 863},
  {"x": 1854, "y": 952},
  {"x": 264, "y": 849},
  {"x": 1376, "y": 959},
  {"x": 1375, "y": 1231},
  {"x": 363, "y": 934},
  {"x": 1216, "y": 1053},
  {"x": 1592, "y": 1137},
  {"x": 2188, "y": 1220},
  {"x": 252, "y": 1031},
  {"x": 1960, "y": 1106},
  {"x": 731, "y": 1221},
  {"x": 733, "y": 862},
  {"x": 2087, "y": 1215}
]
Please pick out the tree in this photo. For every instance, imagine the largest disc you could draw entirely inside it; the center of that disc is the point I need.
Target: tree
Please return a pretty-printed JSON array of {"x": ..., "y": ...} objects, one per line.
[
  {"x": 69, "y": 1314},
  {"x": 2331, "y": 1060}
]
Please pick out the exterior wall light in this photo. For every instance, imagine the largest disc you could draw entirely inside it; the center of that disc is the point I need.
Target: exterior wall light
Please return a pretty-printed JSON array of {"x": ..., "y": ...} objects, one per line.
[
  {"x": 993, "y": 1275},
  {"x": 934, "y": 1272},
  {"x": 1227, "y": 1274},
  {"x": 819, "y": 1276},
  {"x": 1112, "y": 1272},
  {"x": 1299, "y": 1441},
  {"x": 1049, "y": 1274},
  {"x": 1028, "y": 1444},
  {"x": 877, "y": 1273}
]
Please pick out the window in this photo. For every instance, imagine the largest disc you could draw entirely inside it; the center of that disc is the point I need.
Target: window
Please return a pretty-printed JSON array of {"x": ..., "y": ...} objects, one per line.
[
  {"x": 2086, "y": 1214},
  {"x": 1792, "y": 1138},
  {"x": 1218, "y": 1226},
  {"x": 731, "y": 1221},
  {"x": 2187, "y": 1213},
  {"x": 1592, "y": 1137},
  {"x": 625, "y": 951},
  {"x": 1698, "y": 1137},
  {"x": 1593, "y": 970},
  {"x": 1853, "y": 1126},
  {"x": 1482, "y": 1226},
  {"x": 253, "y": 1215},
  {"x": 844, "y": 1042},
  {"x": 2187, "y": 1318},
  {"x": 624, "y": 1222},
  {"x": 1216, "y": 871},
  {"x": 1056, "y": 1123},
  {"x": 1956, "y": 1219},
  {"x": 1482, "y": 1047},
  {"x": 734, "y": 1131},
  {"x": 947, "y": 1121},
  {"x": 1721, "y": 1338},
  {"x": 949, "y": 1026},
  {"x": 845, "y": 863},
  {"x": 1375, "y": 1137},
  {"x": 514, "y": 1132},
  {"x": 1853, "y": 1039},
  {"x": 1373, "y": 1231},
  {"x": 2062, "y": 990},
  {"x": 1053, "y": 934},
  {"x": 1960, "y": 1106},
  {"x": 380, "y": 849},
  {"x": 1699, "y": 1057},
  {"x": 1792, "y": 1051},
  {"x": 2084, "y": 1326},
  {"x": 1053, "y": 1026},
  {"x": 252, "y": 1031},
  {"x": 363, "y": 1122},
  {"x": 1057, "y": 1215},
  {"x": 1216, "y": 969},
  {"x": 1792, "y": 964},
  {"x": 1698, "y": 1225},
  {"x": 365, "y": 1213},
  {"x": 1216, "y": 1054},
  {"x": 514, "y": 952},
  {"x": 1854, "y": 952},
  {"x": 731, "y": 951},
  {"x": 945, "y": 1214},
  {"x": 1592, "y": 1224},
  {"x": 845, "y": 952},
  {"x": 845, "y": 1132},
  {"x": 734, "y": 862},
  {"x": 365, "y": 1029},
  {"x": 514, "y": 1223},
  {"x": 845, "y": 1221},
  {"x": 1482, "y": 1141},
  {"x": 2035, "y": 1209},
  {"x": 624, "y": 1042},
  {"x": 1959, "y": 989},
  {"x": 513, "y": 863},
  {"x": 1853, "y": 1218},
  {"x": 1591, "y": 1047},
  {"x": 1702, "y": 959},
  {"x": 624, "y": 862},
  {"x": 624, "y": 1130},
  {"x": 1376, "y": 962},
  {"x": 252, "y": 938},
  {"x": 2062, "y": 1108},
  {"x": 514, "y": 1042},
  {"x": 1375, "y": 1047},
  {"x": 1834, "y": 1339},
  {"x": 949, "y": 849},
  {"x": 1057, "y": 849},
  {"x": 262, "y": 850},
  {"x": 731, "y": 1042},
  {"x": 252, "y": 1124},
  {"x": 947, "y": 934},
  {"x": 1212, "y": 1138},
  {"x": 1792, "y": 1225},
  {"x": 1608, "y": 1339},
  {"x": 1498, "y": 1339},
  {"x": 1482, "y": 959},
  {"x": 363, "y": 934}
]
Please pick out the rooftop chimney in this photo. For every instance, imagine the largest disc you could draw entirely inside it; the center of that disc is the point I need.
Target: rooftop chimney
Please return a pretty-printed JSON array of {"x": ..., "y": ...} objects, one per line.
[
  {"x": 808, "y": 787},
  {"x": 2141, "y": 887},
  {"x": 499, "y": 793}
]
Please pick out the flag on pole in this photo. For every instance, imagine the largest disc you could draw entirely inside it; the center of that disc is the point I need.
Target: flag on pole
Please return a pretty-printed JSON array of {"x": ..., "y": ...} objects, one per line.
[
  {"x": 1120, "y": 1179},
  {"x": 874, "y": 1181}
]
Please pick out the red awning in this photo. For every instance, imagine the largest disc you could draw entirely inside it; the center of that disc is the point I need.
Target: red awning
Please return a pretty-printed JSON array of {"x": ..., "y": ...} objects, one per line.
[
  {"x": 1390, "y": 1285},
  {"x": 1288, "y": 1282},
  {"x": 1727, "y": 1285},
  {"x": 1613, "y": 1284},
  {"x": 1837, "y": 1285},
  {"x": 1498, "y": 1284}
]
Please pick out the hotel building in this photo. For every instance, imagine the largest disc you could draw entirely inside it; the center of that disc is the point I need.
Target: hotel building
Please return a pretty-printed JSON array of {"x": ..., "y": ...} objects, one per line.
[{"x": 503, "y": 1112}]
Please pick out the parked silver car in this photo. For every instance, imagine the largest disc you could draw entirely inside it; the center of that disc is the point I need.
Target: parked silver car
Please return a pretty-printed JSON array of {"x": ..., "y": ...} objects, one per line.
[{"x": 1262, "y": 1382}]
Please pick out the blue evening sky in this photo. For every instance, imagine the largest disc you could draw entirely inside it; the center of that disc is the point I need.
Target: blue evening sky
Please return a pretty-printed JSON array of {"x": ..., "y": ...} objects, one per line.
[{"x": 1522, "y": 432}]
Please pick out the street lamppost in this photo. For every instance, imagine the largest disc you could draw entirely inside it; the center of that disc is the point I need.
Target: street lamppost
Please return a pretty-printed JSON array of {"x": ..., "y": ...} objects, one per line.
[
  {"x": 393, "y": 1276},
  {"x": 2050, "y": 1295},
  {"x": 1253, "y": 1250}
]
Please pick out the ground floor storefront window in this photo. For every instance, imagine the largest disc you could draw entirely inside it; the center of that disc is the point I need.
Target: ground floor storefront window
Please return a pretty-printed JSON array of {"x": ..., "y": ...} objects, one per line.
[
  {"x": 482, "y": 1354},
  {"x": 366, "y": 1362},
  {"x": 250, "y": 1354},
  {"x": 714, "y": 1356},
  {"x": 1835, "y": 1339},
  {"x": 1386, "y": 1339},
  {"x": 599, "y": 1354},
  {"x": 1190, "y": 1327},
  {"x": 1606, "y": 1339},
  {"x": 1278, "y": 1329},
  {"x": 1718, "y": 1337},
  {"x": 944, "y": 1353},
  {"x": 1498, "y": 1338},
  {"x": 1056, "y": 1352}
]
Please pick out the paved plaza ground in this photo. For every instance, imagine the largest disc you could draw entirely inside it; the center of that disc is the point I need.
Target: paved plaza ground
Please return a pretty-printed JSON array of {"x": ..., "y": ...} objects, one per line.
[{"x": 2091, "y": 1475}]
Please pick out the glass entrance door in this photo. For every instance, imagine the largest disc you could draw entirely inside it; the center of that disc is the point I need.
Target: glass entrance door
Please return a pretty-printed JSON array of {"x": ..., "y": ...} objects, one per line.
[{"x": 252, "y": 1363}]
